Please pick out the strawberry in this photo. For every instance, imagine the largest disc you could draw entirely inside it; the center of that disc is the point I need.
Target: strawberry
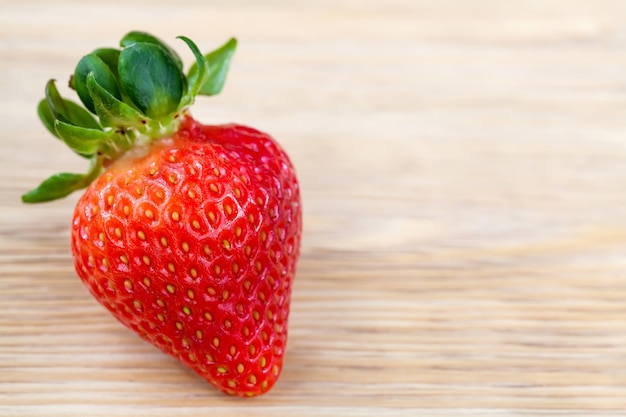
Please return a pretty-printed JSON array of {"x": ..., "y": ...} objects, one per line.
[{"x": 188, "y": 234}]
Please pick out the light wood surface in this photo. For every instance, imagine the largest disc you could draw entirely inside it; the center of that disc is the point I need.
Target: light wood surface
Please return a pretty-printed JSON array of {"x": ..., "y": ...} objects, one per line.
[{"x": 463, "y": 167}]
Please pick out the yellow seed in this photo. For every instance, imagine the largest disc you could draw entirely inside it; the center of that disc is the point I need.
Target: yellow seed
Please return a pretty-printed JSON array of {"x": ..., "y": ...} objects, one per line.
[
  {"x": 170, "y": 288},
  {"x": 227, "y": 324},
  {"x": 264, "y": 385},
  {"x": 118, "y": 232},
  {"x": 257, "y": 265},
  {"x": 209, "y": 357},
  {"x": 217, "y": 269},
  {"x": 211, "y": 216},
  {"x": 171, "y": 267},
  {"x": 159, "y": 194},
  {"x": 245, "y": 331},
  {"x": 261, "y": 296},
  {"x": 270, "y": 315},
  {"x": 199, "y": 334},
  {"x": 238, "y": 231},
  {"x": 172, "y": 179},
  {"x": 256, "y": 315},
  {"x": 252, "y": 379},
  {"x": 126, "y": 210},
  {"x": 235, "y": 268},
  {"x": 185, "y": 342},
  {"x": 211, "y": 291},
  {"x": 186, "y": 310},
  {"x": 264, "y": 335},
  {"x": 263, "y": 236},
  {"x": 94, "y": 210},
  {"x": 263, "y": 362},
  {"x": 128, "y": 284},
  {"x": 208, "y": 316},
  {"x": 252, "y": 349},
  {"x": 175, "y": 216},
  {"x": 196, "y": 224},
  {"x": 164, "y": 241},
  {"x": 137, "y": 304},
  {"x": 229, "y": 209},
  {"x": 275, "y": 370},
  {"x": 225, "y": 295},
  {"x": 237, "y": 192},
  {"x": 231, "y": 383},
  {"x": 153, "y": 170},
  {"x": 185, "y": 247},
  {"x": 226, "y": 244},
  {"x": 216, "y": 342},
  {"x": 216, "y": 172},
  {"x": 192, "y": 357},
  {"x": 110, "y": 200},
  {"x": 246, "y": 285},
  {"x": 213, "y": 188},
  {"x": 233, "y": 350},
  {"x": 141, "y": 235},
  {"x": 149, "y": 214},
  {"x": 179, "y": 325},
  {"x": 251, "y": 218},
  {"x": 221, "y": 370},
  {"x": 191, "y": 294},
  {"x": 244, "y": 179},
  {"x": 207, "y": 250},
  {"x": 160, "y": 303},
  {"x": 105, "y": 263},
  {"x": 160, "y": 317},
  {"x": 138, "y": 190},
  {"x": 191, "y": 194},
  {"x": 146, "y": 260},
  {"x": 124, "y": 259},
  {"x": 102, "y": 237},
  {"x": 194, "y": 273},
  {"x": 248, "y": 250}
]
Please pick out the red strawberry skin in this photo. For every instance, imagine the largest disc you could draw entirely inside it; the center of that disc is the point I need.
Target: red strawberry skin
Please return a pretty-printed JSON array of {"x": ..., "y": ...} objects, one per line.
[{"x": 192, "y": 242}]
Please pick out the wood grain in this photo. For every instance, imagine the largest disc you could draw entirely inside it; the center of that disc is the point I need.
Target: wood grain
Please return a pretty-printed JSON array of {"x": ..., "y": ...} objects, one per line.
[{"x": 463, "y": 166}]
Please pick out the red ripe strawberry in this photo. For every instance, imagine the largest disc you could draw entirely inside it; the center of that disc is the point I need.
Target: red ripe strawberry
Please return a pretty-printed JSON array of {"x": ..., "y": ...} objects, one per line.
[{"x": 188, "y": 234}]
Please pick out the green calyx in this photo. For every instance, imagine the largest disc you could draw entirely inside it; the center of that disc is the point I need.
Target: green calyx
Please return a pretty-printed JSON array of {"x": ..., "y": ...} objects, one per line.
[{"x": 131, "y": 96}]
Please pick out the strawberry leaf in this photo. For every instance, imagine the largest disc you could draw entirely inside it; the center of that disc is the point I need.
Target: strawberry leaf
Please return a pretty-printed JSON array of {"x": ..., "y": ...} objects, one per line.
[
  {"x": 68, "y": 111},
  {"x": 55, "y": 187},
  {"x": 111, "y": 111},
  {"x": 151, "y": 78},
  {"x": 218, "y": 62},
  {"x": 81, "y": 140},
  {"x": 93, "y": 64},
  {"x": 134, "y": 37},
  {"x": 197, "y": 79},
  {"x": 110, "y": 56},
  {"x": 46, "y": 116}
]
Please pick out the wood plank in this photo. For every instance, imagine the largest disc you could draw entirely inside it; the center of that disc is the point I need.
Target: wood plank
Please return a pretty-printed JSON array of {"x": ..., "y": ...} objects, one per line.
[{"x": 463, "y": 174}]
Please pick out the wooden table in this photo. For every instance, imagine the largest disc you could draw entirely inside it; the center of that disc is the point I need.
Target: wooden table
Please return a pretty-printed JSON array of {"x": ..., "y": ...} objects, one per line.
[{"x": 463, "y": 166}]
